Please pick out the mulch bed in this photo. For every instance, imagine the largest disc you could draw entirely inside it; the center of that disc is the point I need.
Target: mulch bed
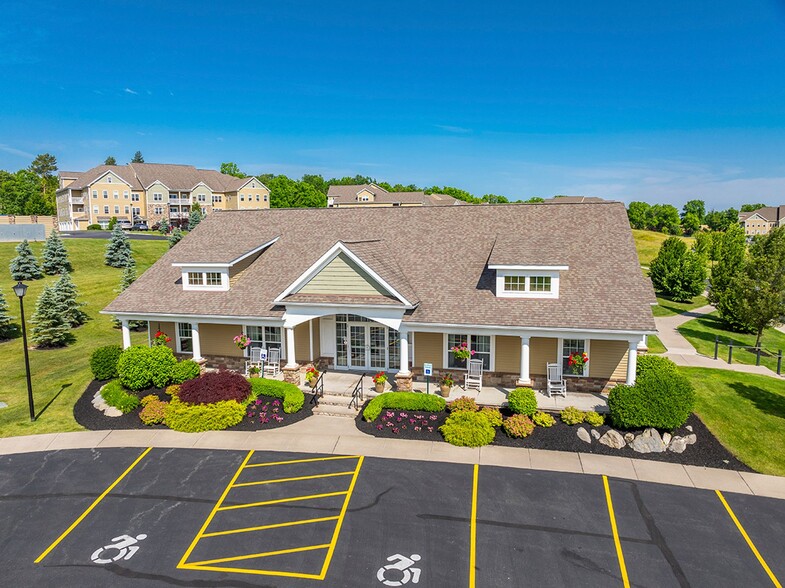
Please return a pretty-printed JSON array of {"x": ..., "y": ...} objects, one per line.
[
  {"x": 95, "y": 420},
  {"x": 707, "y": 450}
]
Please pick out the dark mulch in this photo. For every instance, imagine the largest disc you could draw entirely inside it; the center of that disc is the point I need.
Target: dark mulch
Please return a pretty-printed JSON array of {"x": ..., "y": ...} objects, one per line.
[
  {"x": 707, "y": 451},
  {"x": 95, "y": 420}
]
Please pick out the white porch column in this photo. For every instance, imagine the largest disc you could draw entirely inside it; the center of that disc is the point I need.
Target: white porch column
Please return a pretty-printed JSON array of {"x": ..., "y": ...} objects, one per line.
[
  {"x": 404, "y": 334},
  {"x": 632, "y": 362},
  {"x": 290, "y": 361},
  {"x": 525, "y": 379},
  {"x": 310, "y": 340},
  {"x": 196, "y": 343},
  {"x": 126, "y": 334}
]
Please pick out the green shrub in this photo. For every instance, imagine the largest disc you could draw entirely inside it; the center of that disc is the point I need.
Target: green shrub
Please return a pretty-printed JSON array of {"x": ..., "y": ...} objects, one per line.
[
  {"x": 185, "y": 370},
  {"x": 463, "y": 403},
  {"x": 493, "y": 415},
  {"x": 293, "y": 398},
  {"x": 661, "y": 398},
  {"x": 522, "y": 401},
  {"x": 103, "y": 362},
  {"x": 595, "y": 419},
  {"x": 543, "y": 419},
  {"x": 403, "y": 401},
  {"x": 141, "y": 367},
  {"x": 93, "y": 227},
  {"x": 115, "y": 395},
  {"x": 173, "y": 390},
  {"x": 195, "y": 418},
  {"x": 653, "y": 363},
  {"x": 518, "y": 426},
  {"x": 467, "y": 429},
  {"x": 572, "y": 416},
  {"x": 148, "y": 399},
  {"x": 153, "y": 412},
  {"x": 162, "y": 361}
]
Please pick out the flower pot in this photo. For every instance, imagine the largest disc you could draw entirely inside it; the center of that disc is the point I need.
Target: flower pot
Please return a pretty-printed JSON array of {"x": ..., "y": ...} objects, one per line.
[
  {"x": 379, "y": 387},
  {"x": 256, "y": 375},
  {"x": 445, "y": 390},
  {"x": 312, "y": 381}
]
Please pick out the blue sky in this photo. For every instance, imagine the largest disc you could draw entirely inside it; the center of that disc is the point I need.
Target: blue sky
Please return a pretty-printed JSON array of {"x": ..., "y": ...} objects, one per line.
[{"x": 659, "y": 101}]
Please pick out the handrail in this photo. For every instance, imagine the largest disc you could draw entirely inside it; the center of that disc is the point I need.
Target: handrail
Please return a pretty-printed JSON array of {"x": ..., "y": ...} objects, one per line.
[
  {"x": 318, "y": 389},
  {"x": 357, "y": 394}
]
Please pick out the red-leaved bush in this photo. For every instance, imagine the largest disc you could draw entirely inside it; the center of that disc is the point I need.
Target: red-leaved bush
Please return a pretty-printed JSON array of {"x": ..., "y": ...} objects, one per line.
[{"x": 214, "y": 387}]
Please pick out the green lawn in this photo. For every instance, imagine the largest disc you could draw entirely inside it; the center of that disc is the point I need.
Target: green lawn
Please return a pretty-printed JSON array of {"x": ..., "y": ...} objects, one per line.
[
  {"x": 61, "y": 375},
  {"x": 655, "y": 345},
  {"x": 746, "y": 412},
  {"x": 700, "y": 332},
  {"x": 648, "y": 244},
  {"x": 667, "y": 307}
]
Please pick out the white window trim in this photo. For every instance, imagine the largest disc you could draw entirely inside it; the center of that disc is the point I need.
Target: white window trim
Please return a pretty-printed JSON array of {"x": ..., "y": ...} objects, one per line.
[
  {"x": 262, "y": 327},
  {"x": 502, "y": 293},
  {"x": 177, "y": 337},
  {"x": 446, "y": 351},
  {"x": 224, "y": 286},
  {"x": 586, "y": 367}
]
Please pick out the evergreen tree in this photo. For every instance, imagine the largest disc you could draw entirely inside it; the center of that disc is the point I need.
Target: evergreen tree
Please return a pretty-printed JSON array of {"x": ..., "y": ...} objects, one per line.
[
  {"x": 163, "y": 226},
  {"x": 110, "y": 161},
  {"x": 138, "y": 158},
  {"x": 6, "y": 327},
  {"x": 55, "y": 256},
  {"x": 677, "y": 272},
  {"x": 731, "y": 258},
  {"x": 195, "y": 217},
  {"x": 66, "y": 293},
  {"x": 25, "y": 266},
  {"x": 118, "y": 250},
  {"x": 175, "y": 237},
  {"x": 129, "y": 277},
  {"x": 50, "y": 326}
]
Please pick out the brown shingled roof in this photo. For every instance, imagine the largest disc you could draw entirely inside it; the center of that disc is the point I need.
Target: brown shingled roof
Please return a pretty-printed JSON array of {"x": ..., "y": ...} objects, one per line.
[{"x": 347, "y": 194}]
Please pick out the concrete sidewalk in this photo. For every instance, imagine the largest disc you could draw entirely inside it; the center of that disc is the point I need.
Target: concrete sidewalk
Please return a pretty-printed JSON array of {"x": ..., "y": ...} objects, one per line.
[{"x": 330, "y": 435}]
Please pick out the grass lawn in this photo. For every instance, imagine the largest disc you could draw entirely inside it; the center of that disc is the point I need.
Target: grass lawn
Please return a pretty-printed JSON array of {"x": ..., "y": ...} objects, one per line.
[
  {"x": 60, "y": 376},
  {"x": 655, "y": 345},
  {"x": 700, "y": 332},
  {"x": 667, "y": 307},
  {"x": 747, "y": 414},
  {"x": 648, "y": 244}
]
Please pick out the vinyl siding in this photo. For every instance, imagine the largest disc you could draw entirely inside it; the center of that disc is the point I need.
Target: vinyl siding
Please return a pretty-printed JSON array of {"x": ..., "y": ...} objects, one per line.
[
  {"x": 165, "y": 327},
  {"x": 608, "y": 359},
  {"x": 542, "y": 351},
  {"x": 508, "y": 354},
  {"x": 342, "y": 276},
  {"x": 428, "y": 347},
  {"x": 218, "y": 339},
  {"x": 302, "y": 349}
]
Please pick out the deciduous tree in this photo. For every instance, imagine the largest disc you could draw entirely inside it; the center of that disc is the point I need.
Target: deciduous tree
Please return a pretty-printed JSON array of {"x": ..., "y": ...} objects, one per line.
[
  {"x": 638, "y": 213},
  {"x": 751, "y": 207},
  {"x": 696, "y": 207},
  {"x": 678, "y": 272},
  {"x": 730, "y": 260},
  {"x": 230, "y": 168}
]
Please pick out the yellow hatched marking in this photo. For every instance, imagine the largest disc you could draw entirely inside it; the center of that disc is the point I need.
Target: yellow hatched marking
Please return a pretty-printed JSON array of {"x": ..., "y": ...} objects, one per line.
[
  {"x": 297, "y": 479},
  {"x": 750, "y": 544},
  {"x": 310, "y": 460},
  {"x": 274, "y": 526},
  {"x": 91, "y": 507},
  {"x": 262, "y": 554},
  {"x": 280, "y": 500},
  {"x": 245, "y": 571},
  {"x": 473, "y": 529},
  {"x": 617, "y": 542}
]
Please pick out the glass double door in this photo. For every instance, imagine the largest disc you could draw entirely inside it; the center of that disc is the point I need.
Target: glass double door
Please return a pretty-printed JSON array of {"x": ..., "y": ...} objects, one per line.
[{"x": 367, "y": 347}]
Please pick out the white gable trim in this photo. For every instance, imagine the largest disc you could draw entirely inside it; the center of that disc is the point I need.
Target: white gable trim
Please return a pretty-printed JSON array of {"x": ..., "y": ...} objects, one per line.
[
  {"x": 95, "y": 181},
  {"x": 160, "y": 182},
  {"x": 201, "y": 184},
  {"x": 250, "y": 179},
  {"x": 224, "y": 264},
  {"x": 254, "y": 250},
  {"x": 550, "y": 268},
  {"x": 322, "y": 262}
]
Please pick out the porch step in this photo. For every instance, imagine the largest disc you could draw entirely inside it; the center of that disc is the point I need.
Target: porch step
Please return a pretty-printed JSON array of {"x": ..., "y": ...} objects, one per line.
[{"x": 335, "y": 410}]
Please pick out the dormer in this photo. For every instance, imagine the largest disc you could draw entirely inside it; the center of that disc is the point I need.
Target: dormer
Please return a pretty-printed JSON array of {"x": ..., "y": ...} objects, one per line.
[
  {"x": 528, "y": 281},
  {"x": 365, "y": 195}
]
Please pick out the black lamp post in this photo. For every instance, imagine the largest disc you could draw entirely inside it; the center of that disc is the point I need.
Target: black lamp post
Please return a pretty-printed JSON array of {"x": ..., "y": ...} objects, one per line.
[{"x": 20, "y": 290}]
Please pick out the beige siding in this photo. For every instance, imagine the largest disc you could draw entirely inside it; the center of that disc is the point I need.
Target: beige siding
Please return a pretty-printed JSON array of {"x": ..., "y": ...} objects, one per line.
[
  {"x": 218, "y": 339},
  {"x": 428, "y": 347},
  {"x": 342, "y": 276},
  {"x": 542, "y": 351},
  {"x": 165, "y": 327},
  {"x": 608, "y": 359},
  {"x": 508, "y": 354},
  {"x": 302, "y": 348}
]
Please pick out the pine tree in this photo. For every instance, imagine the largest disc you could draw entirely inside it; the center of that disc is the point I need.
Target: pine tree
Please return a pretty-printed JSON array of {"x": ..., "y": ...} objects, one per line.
[
  {"x": 195, "y": 217},
  {"x": 66, "y": 292},
  {"x": 175, "y": 237},
  {"x": 55, "y": 256},
  {"x": 50, "y": 326},
  {"x": 129, "y": 277},
  {"x": 110, "y": 161},
  {"x": 6, "y": 327},
  {"x": 118, "y": 250},
  {"x": 138, "y": 158},
  {"x": 25, "y": 266}
]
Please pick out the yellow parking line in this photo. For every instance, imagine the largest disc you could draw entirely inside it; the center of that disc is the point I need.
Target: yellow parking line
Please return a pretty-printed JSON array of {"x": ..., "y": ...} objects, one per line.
[
  {"x": 473, "y": 528},
  {"x": 751, "y": 545},
  {"x": 622, "y": 567},
  {"x": 91, "y": 507},
  {"x": 249, "y": 571},
  {"x": 274, "y": 526},
  {"x": 262, "y": 554},
  {"x": 280, "y": 500},
  {"x": 297, "y": 479},
  {"x": 275, "y": 463}
]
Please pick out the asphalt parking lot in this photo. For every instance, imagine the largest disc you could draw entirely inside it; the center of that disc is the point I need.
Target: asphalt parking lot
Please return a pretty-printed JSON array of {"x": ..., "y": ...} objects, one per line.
[{"x": 189, "y": 517}]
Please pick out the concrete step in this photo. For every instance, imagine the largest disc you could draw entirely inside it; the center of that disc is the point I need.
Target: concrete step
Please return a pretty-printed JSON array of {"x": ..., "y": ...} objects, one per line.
[
  {"x": 346, "y": 393},
  {"x": 335, "y": 410}
]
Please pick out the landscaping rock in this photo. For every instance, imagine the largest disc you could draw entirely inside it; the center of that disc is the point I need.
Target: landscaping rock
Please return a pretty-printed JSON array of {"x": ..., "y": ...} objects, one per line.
[
  {"x": 3, "y": 405},
  {"x": 113, "y": 412},
  {"x": 666, "y": 438},
  {"x": 691, "y": 438},
  {"x": 595, "y": 433},
  {"x": 689, "y": 428},
  {"x": 628, "y": 437},
  {"x": 648, "y": 442},
  {"x": 583, "y": 435},
  {"x": 678, "y": 445},
  {"x": 614, "y": 439}
]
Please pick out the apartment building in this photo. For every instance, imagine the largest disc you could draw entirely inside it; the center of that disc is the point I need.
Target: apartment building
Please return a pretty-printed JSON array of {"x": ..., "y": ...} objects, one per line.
[
  {"x": 151, "y": 192},
  {"x": 373, "y": 196},
  {"x": 763, "y": 220}
]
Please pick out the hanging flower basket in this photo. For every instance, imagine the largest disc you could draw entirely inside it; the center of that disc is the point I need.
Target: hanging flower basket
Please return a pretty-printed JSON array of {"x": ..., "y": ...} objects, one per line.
[
  {"x": 576, "y": 363},
  {"x": 161, "y": 338},
  {"x": 462, "y": 352},
  {"x": 242, "y": 341}
]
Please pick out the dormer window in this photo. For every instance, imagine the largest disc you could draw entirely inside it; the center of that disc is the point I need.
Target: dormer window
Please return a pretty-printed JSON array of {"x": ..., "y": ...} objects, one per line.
[
  {"x": 527, "y": 281},
  {"x": 205, "y": 280}
]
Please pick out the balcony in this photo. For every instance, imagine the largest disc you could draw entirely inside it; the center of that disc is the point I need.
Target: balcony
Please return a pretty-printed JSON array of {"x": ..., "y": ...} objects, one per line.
[
  {"x": 176, "y": 215},
  {"x": 77, "y": 199},
  {"x": 180, "y": 201}
]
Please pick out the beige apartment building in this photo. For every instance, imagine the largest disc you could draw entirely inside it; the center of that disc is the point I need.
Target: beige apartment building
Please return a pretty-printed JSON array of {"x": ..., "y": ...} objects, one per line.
[
  {"x": 373, "y": 196},
  {"x": 763, "y": 220},
  {"x": 151, "y": 192}
]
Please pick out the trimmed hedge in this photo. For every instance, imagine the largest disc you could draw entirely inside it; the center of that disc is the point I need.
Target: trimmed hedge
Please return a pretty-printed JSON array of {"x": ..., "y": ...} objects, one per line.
[
  {"x": 103, "y": 362},
  {"x": 185, "y": 370},
  {"x": 403, "y": 401},
  {"x": 195, "y": 418},
  {"x": 141, "y": 367},
  {"x": 293, "y": 398},
  {"x": 647, "y": 364},
  {"x": 115, "y": 395},
  {"x": 467, "y": 429},
  {"x": 522, "y": 401},
  {"x": 214, "y": 387}
]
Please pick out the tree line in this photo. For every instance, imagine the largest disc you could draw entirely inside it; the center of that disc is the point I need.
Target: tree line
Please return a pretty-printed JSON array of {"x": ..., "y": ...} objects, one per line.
[{"x": 667, "y": 219}]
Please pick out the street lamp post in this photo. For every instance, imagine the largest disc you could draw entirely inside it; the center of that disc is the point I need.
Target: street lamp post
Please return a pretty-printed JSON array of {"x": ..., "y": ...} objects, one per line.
[{"x": 20, "y": 290}]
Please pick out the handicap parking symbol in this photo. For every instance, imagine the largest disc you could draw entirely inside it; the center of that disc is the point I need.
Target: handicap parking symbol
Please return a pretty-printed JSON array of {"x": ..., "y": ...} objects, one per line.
[
  {"x": 400, "y": 571},
  {"x": 125, "y": 546}
]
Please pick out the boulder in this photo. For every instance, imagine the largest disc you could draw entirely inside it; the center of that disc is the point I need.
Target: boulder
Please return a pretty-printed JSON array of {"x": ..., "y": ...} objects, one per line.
[
  {"x": 595, "y": 433},
  {"x": 628, "y": 437},
  {"x": 613, "y": 439},
  {"x": 113, "y": 412},
  {"x": 648, "y": 442},
  {"x": 691, "y": 438},
  {"x": 583, "y": 435},
  {"x": 678, "y": 445},
  {"x": 666, "y": 438},
  {"x": 689, "y": 428}
]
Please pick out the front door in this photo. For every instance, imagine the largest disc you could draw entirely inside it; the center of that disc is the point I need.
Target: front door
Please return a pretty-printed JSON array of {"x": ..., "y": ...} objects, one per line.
[
  {"x": 362, "y": 344},
  {"x": 378, "y": 347},
  {"x": 358, "y": 336}
]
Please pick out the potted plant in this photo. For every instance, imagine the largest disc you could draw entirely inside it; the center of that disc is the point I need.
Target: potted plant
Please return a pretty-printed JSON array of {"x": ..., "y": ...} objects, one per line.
[
  {"x": 161, "y": 338},
  {"x": 254, "y": 371},
  {"x": 379, "y": 380},
  {"x": 445, "y": 384},
  {"x": 242, "y": 341},
  {"x": 576, "y": 363},
  {"x": 312, "y": 376}
]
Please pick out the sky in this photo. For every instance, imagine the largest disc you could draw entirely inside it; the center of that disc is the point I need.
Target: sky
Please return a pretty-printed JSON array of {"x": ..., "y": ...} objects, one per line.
[{"x": 658, "y": 101}]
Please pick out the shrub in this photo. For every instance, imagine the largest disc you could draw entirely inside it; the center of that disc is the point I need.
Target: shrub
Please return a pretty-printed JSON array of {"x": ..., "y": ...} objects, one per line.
[
  {"x": 572, "y": 416},
  {"x": 493, "y": 415},
  {"x": 463, "y": 403},
  {"x": 293, "y": 397},
  {"x": 522, "y": 401},
  {"x": 162, "y": 362},
  {"x": 543, "y": 419},
  {"x": 185, "y": 370},
  {"x": 467, "y": 429},
  {"x": 141, "y": 367},
  {"x": 148, "y": 399},
  {"x": 93, "y": 227},
  {"x": 195, "y": 418},
  {"x": 593, "y": 418},
  {"x": 661, "y": 398},
  {"x": 653, "y": 363},
  {"x": 215, "y": 387},
  {"x": 115, "y": 395},
  {"x": 103, "y": 362},
  {"x": 403, "y": 401},
  {"x": 173, "y": 390},
  {"x": 518, "y": 426},
  {"x": 154, "y": 412}
]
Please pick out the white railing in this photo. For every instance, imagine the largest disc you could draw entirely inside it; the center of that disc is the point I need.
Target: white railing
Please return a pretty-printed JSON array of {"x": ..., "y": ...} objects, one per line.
[
  {"x": 77, "y": 199},
  {"x": 179, "y": 201}
]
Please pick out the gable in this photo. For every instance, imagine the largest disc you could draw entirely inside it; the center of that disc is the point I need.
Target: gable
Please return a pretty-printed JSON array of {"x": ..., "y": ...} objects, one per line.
[
  {"x": 343, "y": 276},
  {"x": 365, "y": 195},
  {"x": 109, "y": 178}
]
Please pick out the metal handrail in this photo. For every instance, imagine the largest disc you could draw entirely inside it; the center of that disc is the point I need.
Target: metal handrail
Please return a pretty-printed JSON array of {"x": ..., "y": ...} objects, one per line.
[
  {"x": 318, "y": 389},
  {"x": 357, "y": 394}
]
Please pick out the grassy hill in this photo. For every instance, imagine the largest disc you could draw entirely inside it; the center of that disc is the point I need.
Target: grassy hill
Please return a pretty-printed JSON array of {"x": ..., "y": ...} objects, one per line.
[{"x": 648, "y": 244}]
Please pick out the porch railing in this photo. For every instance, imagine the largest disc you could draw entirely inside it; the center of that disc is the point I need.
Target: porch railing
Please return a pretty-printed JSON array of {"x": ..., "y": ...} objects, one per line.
[
  {"x": 357, "y": 394},
  {"x": 318, "y": 389}
]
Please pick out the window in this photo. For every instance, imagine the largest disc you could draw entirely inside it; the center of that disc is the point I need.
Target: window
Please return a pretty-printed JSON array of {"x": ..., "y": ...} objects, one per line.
[
  {"x": 95, "y": 193},
  {"x": 268, "y": 337},
  {"x": 514, "y": 283},
  {"x": 172, "y": 195},
  {"x": 213, "y": 278},
  {"x": 134, "y": 197},
  {"x": 570, "y": 346},
  {"x": 540, "y": 284},
  {"x": 136, "y": 211},
  {"x": 95, "y": 210},
  {"x": 201, "y": 198},
  {"x": 108, "y": 179},
  {"x": 185, "y": 338},
  {"x": 242, "y": 197},
  {"x": 115, "y": 194},
  {"x": 202, "y": 279},
  {"x": 158, "y": 210},
  {"x": 253, "y": 184},
  {"x": 265, "y": 197},
  {"x": 257, "y": 197},
  {"x": 117, "y": 209},
  {"x": 127, "y": 209},
  {"x": 106, "y": 194},
  {"x": 217, "y": 198},
  {"x": 195, "y": 279},
  {"x": 480, "y": 344},
  {"x": 158, "y": 197},
  {"x": 125, "y": 194}
]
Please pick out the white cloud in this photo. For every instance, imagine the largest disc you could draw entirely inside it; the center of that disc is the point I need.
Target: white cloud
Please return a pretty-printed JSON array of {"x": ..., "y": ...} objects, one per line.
[
  {"x": 453, "y": 129},
  {"x": 15, "y": 151},
  {"x": 130, "y": 91}
]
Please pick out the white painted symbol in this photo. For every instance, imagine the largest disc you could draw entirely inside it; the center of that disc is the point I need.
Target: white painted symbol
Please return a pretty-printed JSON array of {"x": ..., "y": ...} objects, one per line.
[
  {"x": 404, "y": 565},
  {"x": 125, "y": 545}
]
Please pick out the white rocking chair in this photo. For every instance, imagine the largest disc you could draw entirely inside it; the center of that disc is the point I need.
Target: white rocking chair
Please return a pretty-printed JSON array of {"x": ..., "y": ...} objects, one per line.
[
  {"x": 556, "y": 382},
  {"x": 473, "y": 378},
  {"x": 254, "y": 360},
  {"x": 273, "y": 365}
]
